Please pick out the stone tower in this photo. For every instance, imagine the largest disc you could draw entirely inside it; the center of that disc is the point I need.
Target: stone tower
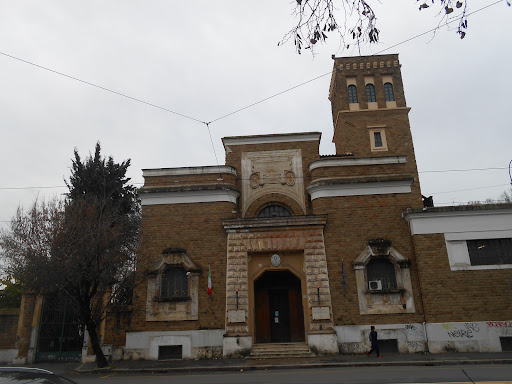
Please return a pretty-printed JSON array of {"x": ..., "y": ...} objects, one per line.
[{"x": 369, "y": 111}]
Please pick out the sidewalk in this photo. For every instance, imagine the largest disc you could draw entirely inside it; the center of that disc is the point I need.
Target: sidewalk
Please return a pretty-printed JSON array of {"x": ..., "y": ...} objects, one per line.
[{"x": 391, "y": 359}]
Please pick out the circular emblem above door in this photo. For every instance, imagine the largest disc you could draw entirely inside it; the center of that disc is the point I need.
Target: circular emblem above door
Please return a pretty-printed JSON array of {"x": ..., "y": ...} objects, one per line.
[{"x": 275, "y": 260}]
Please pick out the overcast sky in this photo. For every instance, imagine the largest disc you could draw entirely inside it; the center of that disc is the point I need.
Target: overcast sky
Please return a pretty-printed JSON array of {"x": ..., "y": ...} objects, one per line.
[{"x": 208, "y": 58}]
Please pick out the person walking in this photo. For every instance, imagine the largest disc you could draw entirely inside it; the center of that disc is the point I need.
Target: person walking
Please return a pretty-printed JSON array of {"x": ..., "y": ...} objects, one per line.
[{"x": 374, "y": 341}]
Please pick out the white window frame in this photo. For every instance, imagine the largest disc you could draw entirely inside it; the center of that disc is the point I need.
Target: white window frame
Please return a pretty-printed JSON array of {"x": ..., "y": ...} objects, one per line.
[
  {"x": 458, "y": 254},
  {"x": 382, "y": 130}
]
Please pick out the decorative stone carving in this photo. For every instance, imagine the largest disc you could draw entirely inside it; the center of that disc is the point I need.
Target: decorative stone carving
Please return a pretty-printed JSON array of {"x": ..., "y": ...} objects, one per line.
[{"x": 272, "y": 172}]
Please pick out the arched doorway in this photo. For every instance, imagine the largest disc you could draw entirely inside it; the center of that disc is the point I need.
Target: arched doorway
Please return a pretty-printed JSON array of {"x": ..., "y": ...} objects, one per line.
[{"x": 279, "y": 316}]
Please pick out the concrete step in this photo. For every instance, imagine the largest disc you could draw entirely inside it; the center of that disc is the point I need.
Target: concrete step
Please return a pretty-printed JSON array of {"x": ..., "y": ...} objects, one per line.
[{"x": 280, "y": 351}]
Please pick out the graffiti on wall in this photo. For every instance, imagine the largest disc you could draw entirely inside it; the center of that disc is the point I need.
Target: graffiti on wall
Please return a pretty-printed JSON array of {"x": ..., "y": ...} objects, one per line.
[
  {"x": 499, "y": 323},
  {"x": 461, "y": 331},
  {"x": 414, "y": 332}
]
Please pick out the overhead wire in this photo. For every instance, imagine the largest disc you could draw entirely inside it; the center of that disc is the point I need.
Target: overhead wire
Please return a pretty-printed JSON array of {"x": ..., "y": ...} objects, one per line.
[
  {"x": 240, "y": 109},
  {"x": 298, "y": 177},
  {"x": 103, "y": 88},
  {"x": 231, "y": 113}
]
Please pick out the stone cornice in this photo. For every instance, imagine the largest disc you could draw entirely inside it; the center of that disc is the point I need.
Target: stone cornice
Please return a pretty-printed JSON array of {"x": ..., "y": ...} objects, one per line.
[
  {"x": 385, "y": 110},
  {"x": 358, "y": 186},
  {"x": 189, "y": 194},
  {"x": 186, "y": 171},
  {"x": 359, "y": 179},
  {"x": 464, "y": 221},
  {"x": 267, "y": 139},
  {"x": 294, "y": 221},
  {"x": 187, "y": 188},
  {"x": 350, "y": 161}
]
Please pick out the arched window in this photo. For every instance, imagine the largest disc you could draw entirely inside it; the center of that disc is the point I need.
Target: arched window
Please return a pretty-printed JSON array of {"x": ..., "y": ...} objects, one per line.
[
  {"x": 383, "y": 270},
  {"x": 389, "y": 92},
  {"x": 371, "y": 96},
  {"x": 174, "y": 283},
  {"x": 274, "y": 211},
  {"x": 352, "y": 94}
]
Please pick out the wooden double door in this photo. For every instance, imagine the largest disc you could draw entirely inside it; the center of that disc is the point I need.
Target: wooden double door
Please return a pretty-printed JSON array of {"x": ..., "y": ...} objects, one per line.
[{"x": 279, "y": 316}]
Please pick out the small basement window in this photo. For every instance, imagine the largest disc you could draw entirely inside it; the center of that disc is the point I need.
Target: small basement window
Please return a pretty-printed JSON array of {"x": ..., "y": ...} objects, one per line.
[
  {"x": 170, "y": 352},
  {"x": 506, "y": 344}
]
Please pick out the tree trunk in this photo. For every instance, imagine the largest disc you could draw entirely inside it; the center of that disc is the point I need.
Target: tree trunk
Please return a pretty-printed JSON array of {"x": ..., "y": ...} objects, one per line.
[{"x": 101, "y": 360}]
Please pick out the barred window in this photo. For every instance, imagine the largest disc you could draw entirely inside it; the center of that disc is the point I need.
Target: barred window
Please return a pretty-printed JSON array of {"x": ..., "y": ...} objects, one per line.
[
  {"x": 490, "y": 251},
  {"x": 389, "y": 92},
  {"x": 174, "y": 283},
  {"x": 383, "y": 270},
  {"x": 371, "y": 96},
  {"x": 352, "y": 94},
  {"x": 274, "y": 211}
]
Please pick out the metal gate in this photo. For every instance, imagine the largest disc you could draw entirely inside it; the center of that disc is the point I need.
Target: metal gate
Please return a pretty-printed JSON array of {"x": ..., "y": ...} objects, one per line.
[{"x": 60, "y": 333}]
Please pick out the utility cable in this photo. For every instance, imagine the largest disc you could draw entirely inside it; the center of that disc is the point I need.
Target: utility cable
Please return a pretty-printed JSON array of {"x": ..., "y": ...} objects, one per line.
[
  {"x": 469, "y": 189},
  {"x": 102, "y": 88},
  {"x": 240, "y": 109},
  {"x": 463, "y": 170},
  {"x": 436, "y": 28},
  {"x": 298, "y": 177}
]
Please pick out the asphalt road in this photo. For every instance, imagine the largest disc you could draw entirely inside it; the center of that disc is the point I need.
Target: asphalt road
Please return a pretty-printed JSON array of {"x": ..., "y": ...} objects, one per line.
[{"x": 499, "y": 373}]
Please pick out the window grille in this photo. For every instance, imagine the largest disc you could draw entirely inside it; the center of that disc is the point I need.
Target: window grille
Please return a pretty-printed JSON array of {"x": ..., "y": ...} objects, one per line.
[
  {"x": 352, "y": 94},
  {"x": 174, "y": 283},
  {"x": 389, "y": 92},
  {"x": 274, "y": 211},
  {"x": 383, "y": 270},
  {"x": 371, "y": 96},
  {"x": 490, "y": 251}
]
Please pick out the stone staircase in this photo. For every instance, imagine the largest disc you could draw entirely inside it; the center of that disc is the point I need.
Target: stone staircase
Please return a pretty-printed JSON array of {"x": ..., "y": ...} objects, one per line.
[{"x": 279, "y": 351}]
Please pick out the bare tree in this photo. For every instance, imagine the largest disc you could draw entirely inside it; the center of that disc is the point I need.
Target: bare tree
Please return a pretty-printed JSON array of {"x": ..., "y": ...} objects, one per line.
[
  {"x": 506, "y": 196},
  {"x": 84, "y": 246},
  {"x": 356, "y": 22}
]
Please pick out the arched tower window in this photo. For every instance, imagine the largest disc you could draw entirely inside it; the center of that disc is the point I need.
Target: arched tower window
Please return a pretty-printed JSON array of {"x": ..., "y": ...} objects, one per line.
[
  {"x": 389, "y": 92},
  {"x": 274, "y": 211},
  {"x": 352, "y": 94},
  {"x": 383, "y": 270},
  {"x": 371, "y": 96}
]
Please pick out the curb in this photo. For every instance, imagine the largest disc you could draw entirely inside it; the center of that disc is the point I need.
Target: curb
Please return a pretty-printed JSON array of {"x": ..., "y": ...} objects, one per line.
[{"x": 291, "y": 366}]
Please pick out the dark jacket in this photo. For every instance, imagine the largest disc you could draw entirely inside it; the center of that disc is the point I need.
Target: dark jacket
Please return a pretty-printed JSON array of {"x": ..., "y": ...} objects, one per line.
[{"x": 373, "y": 338}]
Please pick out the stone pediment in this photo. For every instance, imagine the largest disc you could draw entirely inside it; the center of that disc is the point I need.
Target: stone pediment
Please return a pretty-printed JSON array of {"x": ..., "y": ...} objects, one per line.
[{"x": 268, "y": 172}]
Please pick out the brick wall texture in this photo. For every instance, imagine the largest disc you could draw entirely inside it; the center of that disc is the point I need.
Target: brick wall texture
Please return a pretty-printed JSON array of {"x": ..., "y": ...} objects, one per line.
[
  {"x": 8, "y": 327},
  {"x": 478, "y": 295}
]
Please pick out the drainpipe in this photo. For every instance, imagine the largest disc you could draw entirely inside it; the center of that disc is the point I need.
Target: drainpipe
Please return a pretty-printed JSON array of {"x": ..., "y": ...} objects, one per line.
[{"x": 421, "y": 290}]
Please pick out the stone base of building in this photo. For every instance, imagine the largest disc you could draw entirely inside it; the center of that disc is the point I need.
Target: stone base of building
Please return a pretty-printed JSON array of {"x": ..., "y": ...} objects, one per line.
[
  {"x": 192, "y": 344},
  {"x": 480, "y": 336},
  {"x": 483, "y": 336},
  {"x": 8, "y": 355},
  {"x": 236, "y": 346},
  {"x": 323, "y": 343},
  {"x": 402, "y": 338}
]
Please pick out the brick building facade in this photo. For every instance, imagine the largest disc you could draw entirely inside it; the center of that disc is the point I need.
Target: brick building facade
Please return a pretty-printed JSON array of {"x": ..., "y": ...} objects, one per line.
[
  {"x": 314, "y": 249},
  {"x": 308, "y": 248}
]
